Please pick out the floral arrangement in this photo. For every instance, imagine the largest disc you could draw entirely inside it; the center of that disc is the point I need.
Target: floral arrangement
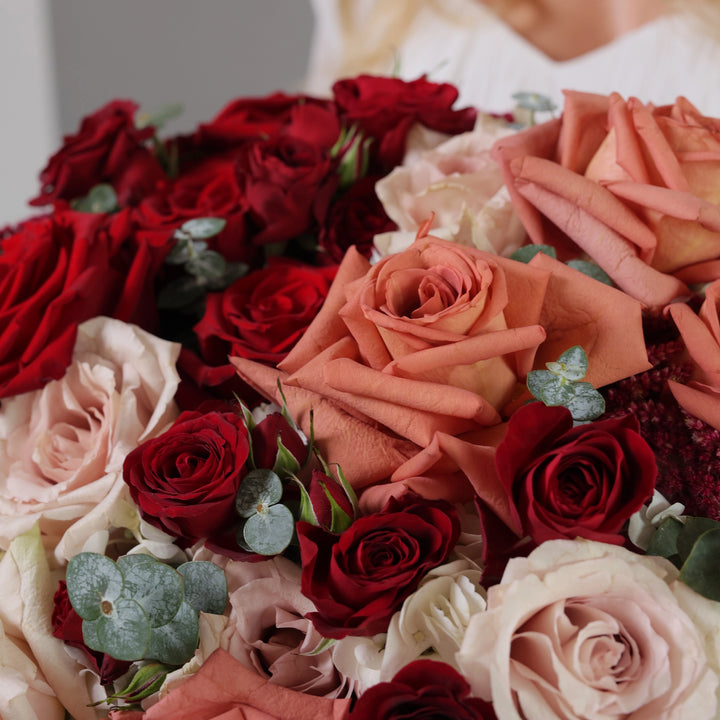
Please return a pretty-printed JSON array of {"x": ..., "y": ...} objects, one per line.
[{"x": 366, "y": 407}]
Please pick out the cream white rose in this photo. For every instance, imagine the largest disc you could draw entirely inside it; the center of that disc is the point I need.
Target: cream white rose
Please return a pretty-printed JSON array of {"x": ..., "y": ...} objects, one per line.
[
  {"x": 580, "y": 629},
  {"x": 462, "y": 185},
  {"x": 62, "y": 447}
]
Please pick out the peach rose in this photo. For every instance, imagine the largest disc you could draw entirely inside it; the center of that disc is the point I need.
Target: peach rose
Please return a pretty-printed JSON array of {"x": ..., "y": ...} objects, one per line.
[
  {"x": 701, "y": 335},
  {"x": 633, "y": 186},
  {"x": 62, "y": 447},
  {"x": 462, "y": 185},
  {"x": 580, "y": 629},
  {"x": 439, "y": 338}
]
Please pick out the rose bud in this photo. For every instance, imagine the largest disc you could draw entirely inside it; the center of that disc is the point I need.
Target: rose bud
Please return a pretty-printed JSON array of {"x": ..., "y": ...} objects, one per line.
[
  {"x": 330, "y": 503},
  {"x": 278, "y": 445}
]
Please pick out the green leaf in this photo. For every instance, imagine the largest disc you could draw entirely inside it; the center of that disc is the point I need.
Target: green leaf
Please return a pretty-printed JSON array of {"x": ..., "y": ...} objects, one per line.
[
  {"x": 233, "y": 271},
  {"x": 692, "y": 529},
  {"x": 203, "y": 228},
  {"x": 572, "y": 364},
  {"x": 699, "y": 571},
  {"x": 127, "y": 561},
  {"x": 323, "y": 645},
  {"x": 664, "y": 540},
  {"x": 533, "y": 101},
  {"x": 146, "y": 681},
  {"x": 157, "y": 588},
  {"x": 205, "y": 586},
  {"x": 100, "y": 199},
  {"x": 157, "y": 118},
  {"x": 209, "y": 264},
  {"x": 587, "y": 403},
  {"x": 270, "y": 532},
  {"x": 175, "y": 642},
  {"x": 124, "y": 632},
  {"x": 526, "y": 253},
  {"x": 536, "y": 381},
  {"x": 92, "y": 578},
  {"x": 591, "y": 270},
  {"x": 557, "y": 392},
  {"x": 180, "y": 292},
  {"x": 258, "y": 489}
]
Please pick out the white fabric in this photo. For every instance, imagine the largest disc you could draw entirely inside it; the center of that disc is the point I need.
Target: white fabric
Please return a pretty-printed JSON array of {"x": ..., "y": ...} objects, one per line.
[{"x": 488, "y": 61}]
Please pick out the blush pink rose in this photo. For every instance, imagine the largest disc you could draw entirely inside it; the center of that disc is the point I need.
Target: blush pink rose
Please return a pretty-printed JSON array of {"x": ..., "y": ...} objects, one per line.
[
  {"x": 701, "y": 335},
  {"x": 581, "y": 629},
  {"x": 62, "y": 447}
]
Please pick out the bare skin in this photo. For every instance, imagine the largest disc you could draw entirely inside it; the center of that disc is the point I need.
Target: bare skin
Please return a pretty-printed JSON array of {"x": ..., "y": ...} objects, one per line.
[{"x": 565, "y": 29}]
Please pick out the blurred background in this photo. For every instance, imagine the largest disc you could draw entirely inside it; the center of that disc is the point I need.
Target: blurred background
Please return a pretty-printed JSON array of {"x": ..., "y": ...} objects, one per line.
[{"x": 62, "y": 59}]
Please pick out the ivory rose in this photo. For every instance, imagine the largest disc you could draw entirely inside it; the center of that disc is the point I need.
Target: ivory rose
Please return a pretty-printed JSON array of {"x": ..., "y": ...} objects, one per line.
[
  {"x": 439, "y": 338},
  {"x": 701, "y": 335},
  {"x": 62, "y": 447},
  {"x": 633, "y": 186},
  {"x": 462, "y": 185},
  {"x": 585, "y": 629}
]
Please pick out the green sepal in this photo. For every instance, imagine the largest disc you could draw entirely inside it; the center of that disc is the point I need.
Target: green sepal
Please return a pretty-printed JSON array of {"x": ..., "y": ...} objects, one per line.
[
  {"x": 323, "y": 645},
  {"x": 526, "y": 253},
  {"x": 100, "y": 199},
  {"x": 339, "y": 519},
  {"x": 699, "y": 571},
  {"x": 92, "y": 578},
  {"x": 307, "y": 513},
  {"x": 286, "y": 463},
  {"x": 205, "y": 586},
  {"x": 175, "y": 642},
  {"x": 269, "y": 532},
  {"x": 146, "y": 681}
]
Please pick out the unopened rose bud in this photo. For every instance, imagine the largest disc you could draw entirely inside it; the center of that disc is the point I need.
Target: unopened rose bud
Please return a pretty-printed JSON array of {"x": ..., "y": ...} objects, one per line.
[{"x": 278, "y": 446}]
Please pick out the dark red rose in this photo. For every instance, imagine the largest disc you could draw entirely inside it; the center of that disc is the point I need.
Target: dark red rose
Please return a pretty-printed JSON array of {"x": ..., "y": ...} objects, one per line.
[
  {"x": 185, "y": 480},
  {"x": 56, "y": 272},
  {"x": 107, "y": 148},
  {"x": 288, "y": 184},
  {"x": 358, "y": 579},
  {"x": 265, "y": 436},
  {"x": 354, "y": 219},
  {"x": 567, "y": 482},
  {"x": 324, "y": 491},
  {"x": 67, "y": 626},
  {"x": 262, "y": 315},
  {"x": 422, "y": 690},
  {"x": 386, "y": 108}
]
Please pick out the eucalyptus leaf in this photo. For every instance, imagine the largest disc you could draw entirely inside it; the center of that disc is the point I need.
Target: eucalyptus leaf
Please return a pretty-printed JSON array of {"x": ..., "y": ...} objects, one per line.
[
  {"x": 175, "y": 642},
  {"x": 573, "y": 364},
  {"x": 205, "y": 586},
  {"x": 699, "y": 571},
  {"x": 556, "y": 392},
  {"x": 209, "y": 264},
  {"x": 270, "y": 532},
  {"x": 233, "y": 271},
  {"x": 157, "y": 588},
  {"x": 591, "y": 270},
  {"x": 124, "y": 633},
  {"x": 664, "y": 540},
  {"x": 127, "y": 561},
  {"x": 180, "y": 292},
  {"x": 526, "y": 253},
  {"x": 536, "y": 381},
  {"x": 157, "y": 118},
  {"x": 587, "y": 403},
  {"x": 692, "y": 529},
  {"x": 181, "y": 252},
  {"x": 258, "y": 489},
  {"x": 203, "y": 228},
  {"x": 90, "y": 636},
  {"x": 92, "y": 578},
  {"x": 100, "y": 199},
  {"x": 537, "y": 102}
]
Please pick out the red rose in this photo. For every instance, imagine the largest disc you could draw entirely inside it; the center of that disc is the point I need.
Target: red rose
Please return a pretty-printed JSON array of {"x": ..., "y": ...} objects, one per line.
[
  {"x": 67, "y": 626},
  {"x": 358, "y": 579},
  {"x": 354, "y": 219},
  {"x": 567, "y": 482},
  {"x": 288, "y": 184},
  {"x": 262, "y": 315},
  {"x": 56, "y": 272},
  {"x": 265, "y": 436},
  {"x": 422, "y": 690},
  {"x": 107, "y": 148},
  {"x": 185, "y": 480},
  {"x": 386, "y": 108}
]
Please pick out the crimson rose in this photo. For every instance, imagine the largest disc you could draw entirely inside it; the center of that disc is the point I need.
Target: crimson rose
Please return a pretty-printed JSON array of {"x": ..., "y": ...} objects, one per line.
[
  {"x": 185, "y": 480},
  {"x": 262, "y": 315},
  {"x": 422, "y": 690},
  {"x": 265, "y": 436},
  {"x": 108, "y": 148},
  {"x": 358, "y": 579},
  {"x": 567, "y": 482},
  {"x": 386, "y": 108}
]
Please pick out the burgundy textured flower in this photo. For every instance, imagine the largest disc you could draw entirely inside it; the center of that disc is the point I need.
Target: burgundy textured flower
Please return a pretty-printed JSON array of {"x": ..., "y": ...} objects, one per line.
[
  {"x": 422, "y": 690},
  {"x": 262, "y": 315},
  {"x": 108, "y": 148},
  {"x": 185, "y": 480},
  {"x": 358, "y": 579},
  {"x": 386, "y": 108},
  {"x": 67, "y": 626},
  {"x": 567, "y": 482}
]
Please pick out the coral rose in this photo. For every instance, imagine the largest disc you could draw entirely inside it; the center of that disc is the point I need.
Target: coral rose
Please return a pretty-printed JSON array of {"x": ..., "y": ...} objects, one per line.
[
  {"x": 581, "y": 629},
  {"x": 632, "y": 185}
]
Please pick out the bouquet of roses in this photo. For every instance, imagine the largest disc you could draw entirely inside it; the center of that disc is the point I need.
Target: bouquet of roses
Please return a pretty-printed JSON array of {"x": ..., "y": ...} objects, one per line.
[{"x": 365, "y": 407}]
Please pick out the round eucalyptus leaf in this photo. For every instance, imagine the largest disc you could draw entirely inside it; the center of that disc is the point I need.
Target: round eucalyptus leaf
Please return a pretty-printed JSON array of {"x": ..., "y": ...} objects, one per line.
[
  {"x": 691, "y": 530},
  {"x": 100, "y": 199},
  {"x": 92, "y": 578},
  {"x": 258, "y": 489},
  {"x": 90, "y": 636},
  {"x": 175, "y": 642},
  {"x": 125, "y": 632},
  {"x": 572, "y": 364},
  {"x": 526, "y": 253},
  {"x": 587, "y": 404},
  {"x": 557, "y": 392},
  {"x": 205, "y": 586},
  {"x": 591, "y": 270},
  {"x": 536, "y": 381},
  {"x": 270, "y": 532},
  {"x": 202, "y": 228},
  {"x": 181, "y": 251},
  {"x": 157, "y": 588},
  {"x": 699, "y": 571},
  {"x": 127, "y": 561},
  {"x": 209, "y": 265}
]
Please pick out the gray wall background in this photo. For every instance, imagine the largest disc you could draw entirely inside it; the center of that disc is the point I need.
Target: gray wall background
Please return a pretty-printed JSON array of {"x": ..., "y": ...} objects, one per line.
[{"x": 201, "y": 53}]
